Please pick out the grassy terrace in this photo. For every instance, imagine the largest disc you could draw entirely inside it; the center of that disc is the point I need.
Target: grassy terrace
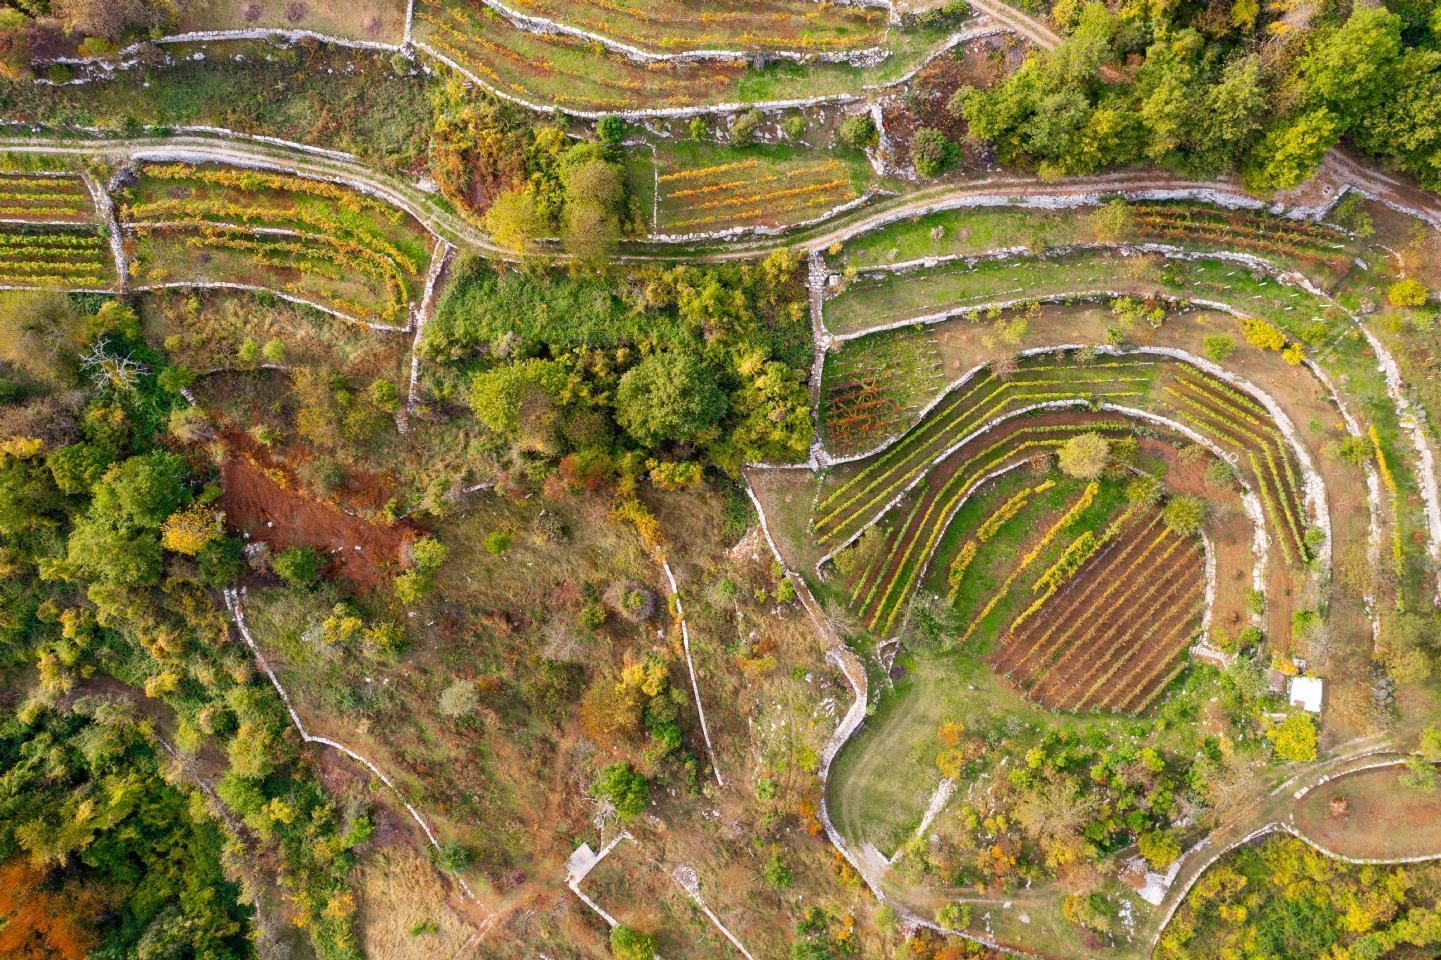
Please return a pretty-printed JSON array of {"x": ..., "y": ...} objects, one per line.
[
  {"x": 550, "y": 69},
  {"x": 661, "y": 26},
  {"x": 707, "y": 187},
  {"x": 953, "y": 287},
  {"x": 1322, "y": 252}
]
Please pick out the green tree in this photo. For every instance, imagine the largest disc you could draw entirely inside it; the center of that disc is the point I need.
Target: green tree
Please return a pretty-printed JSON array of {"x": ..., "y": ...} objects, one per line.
[
  {"x": 859, "y": 131},
  {"x": 625, "y": 788},
  {"x": 298, "y": 566},
  {"x": 744, "y": 128},
  {"x": 610, "y": 130},
  {"x": 669, "y": 396},
  {"x": 931, "y": 152},
  {"x": 629, "y": 944},
  {"x": 1290, "y": 150}
]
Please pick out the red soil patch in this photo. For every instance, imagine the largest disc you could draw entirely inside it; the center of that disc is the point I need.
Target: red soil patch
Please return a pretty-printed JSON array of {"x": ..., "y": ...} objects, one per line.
[{"x": 260, "y": 502}]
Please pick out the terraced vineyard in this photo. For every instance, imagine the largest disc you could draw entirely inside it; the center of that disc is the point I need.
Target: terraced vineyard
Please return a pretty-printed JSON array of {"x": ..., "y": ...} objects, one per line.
[
  {"x": 882, "y": 588},
  {"x": 56, "y": 258},
  {"x": 915, "y": 486},
  {"x": 557, "y": 69},
  {"x": 856, "y": 495},
  {"x": 870, "y": 391},
  {"x": 45, "y": 198},
  {"x": 706, "y": 191},
  {"x": 795, "y": 25},
  {"x": 1112, "y": 635},
  {"x": 314, "y": 241}
]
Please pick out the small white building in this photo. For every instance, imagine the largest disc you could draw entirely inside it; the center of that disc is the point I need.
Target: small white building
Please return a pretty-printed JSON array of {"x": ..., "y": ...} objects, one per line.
[{"x": 1306, "y": 693}]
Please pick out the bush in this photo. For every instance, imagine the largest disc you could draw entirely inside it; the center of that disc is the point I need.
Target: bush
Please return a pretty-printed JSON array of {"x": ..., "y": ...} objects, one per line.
[
  {"x": 459, "y": 699},
  {"x": 794, "y": 127},
  {"x": 623, "y": 787},
  {"x": 859, "y": 131},
  {"x": 610, "y": 130},
  {"x": 628, "y": 944},
  {"x": 298, "y": 566},
  {"x": 1084, "y": 456},
  {"x": 1262, "y": 334},
  {"x": 931, "y": 152},
  {"x": 1183, "y": 515},
  {"x": 745, "y": 127},
  {"x": 1407, "y": 293},
  {"x": 956, "y": 916},
  {"x": 776, "y": 872},
  {"x": 454, "y": 856},
  {"x": 497, "y": 542},
  {"x": 1218, "y": 348}
]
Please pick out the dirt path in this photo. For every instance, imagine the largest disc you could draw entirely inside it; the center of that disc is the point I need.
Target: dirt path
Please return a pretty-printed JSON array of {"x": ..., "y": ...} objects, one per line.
[{"x": 1024, "y": 24}]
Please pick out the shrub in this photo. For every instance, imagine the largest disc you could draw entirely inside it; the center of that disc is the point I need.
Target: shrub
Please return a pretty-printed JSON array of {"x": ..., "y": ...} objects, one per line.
[
  {"x": 859, "y": 131},
  {"x": 454, "y": 856},
  {"x": 1183, "y": 515},
  {"x": 497, "y": 542},
  {"x": 1407, "y": 293},
  {"x": 1262, "y": 334},
  {"x": 776, "y": 873},
  {"x": 459, "y": 699},
  {"x": 628, "y": 944},
  {"x": 1113, "y": 222},
  {"x": 745, "y": 127},
  {"x": 385, "y": 396},
  {"x": 1143, "y": 491},
  {"x": 956, "y": 916},
  {"x": 931, "y": 152},
  {"x": 1159, "y": 848},
  {"x": 592, "y": 615},
  {"x": 427, "y": 554},
  {"x": 610, "y": 130},
  {"x": 1217, "y": 348},
  {"x": 1084, "y": 456},
  {"x": 298, "y": 566},
  {"x": 625, "y": 788},
  {"x": 698, "y": 128},
  {"x": 794, "y": 127},
  {"x": 222, "y": 562}
]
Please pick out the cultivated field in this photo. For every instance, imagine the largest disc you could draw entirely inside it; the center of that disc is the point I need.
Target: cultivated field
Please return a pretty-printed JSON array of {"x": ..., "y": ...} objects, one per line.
[
  {"x": 45, "y": 198},
  {"x": 315, "y": 241},
  {"x": 704, "y": 189},
  {"x": 56, "y": 258},
  {"x": 558, "y": 70},
  {"x": 1111, "y": 639},
  {"x": 803, "y": 26}
]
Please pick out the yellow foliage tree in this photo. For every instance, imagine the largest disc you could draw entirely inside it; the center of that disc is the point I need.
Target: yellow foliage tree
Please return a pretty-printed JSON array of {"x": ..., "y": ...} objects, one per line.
[{"x": 188, "y": 531}]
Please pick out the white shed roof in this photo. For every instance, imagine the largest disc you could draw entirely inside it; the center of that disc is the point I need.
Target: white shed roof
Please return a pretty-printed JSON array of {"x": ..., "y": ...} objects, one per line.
[{"x": 1306, "y": 693}]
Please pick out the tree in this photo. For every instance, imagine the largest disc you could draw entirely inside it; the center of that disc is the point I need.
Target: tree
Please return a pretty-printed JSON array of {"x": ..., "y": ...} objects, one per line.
[
  {"x": 190, "y": 530},
  {"x": 1160, "y": 848},
  {"x": 1184, "y": 515},
  {"x": 745, "y": 127},
  {"x": 1294, "y": 738},
  {"x": 594, "y": 192},
  {"x": 610, "y": 130},
  {"x": 144, "y": 490},
  {"x": 1291, "y": 149},
  {"x": 624, "y": 788},
  {"x": 298, "y": 566},
  {"x": 859, "y": 131},
  {"x": 628, "y": 944},
  {"x": 513, "y": 221},
  {"x": 931, "y": 152},
  {"x": 669, "y": 396},
  {"x": 1113, "y": 222},
  {"x": 1084, "y": 456}
]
